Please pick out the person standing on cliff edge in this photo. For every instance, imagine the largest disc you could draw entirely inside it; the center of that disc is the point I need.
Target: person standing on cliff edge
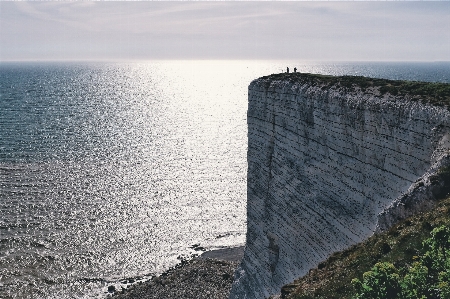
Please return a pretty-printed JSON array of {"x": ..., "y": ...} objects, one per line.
[
  {"x": 287, "y": 70},
  {"x": 295, "y": 69}
]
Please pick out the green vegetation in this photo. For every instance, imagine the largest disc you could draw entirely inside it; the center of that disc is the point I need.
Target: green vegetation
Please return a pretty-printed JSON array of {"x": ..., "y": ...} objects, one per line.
[
  {"x": 404, "y": 262},
  {"x": 381, "y": 282},
  {"x": 426, "y": 278},
  {"x": 434, "y": 93}
]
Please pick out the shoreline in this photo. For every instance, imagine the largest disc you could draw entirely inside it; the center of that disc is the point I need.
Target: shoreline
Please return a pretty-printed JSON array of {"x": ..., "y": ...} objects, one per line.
[
  {"x": 230, "y": 254},
  {"x": 208, "y": 276}
]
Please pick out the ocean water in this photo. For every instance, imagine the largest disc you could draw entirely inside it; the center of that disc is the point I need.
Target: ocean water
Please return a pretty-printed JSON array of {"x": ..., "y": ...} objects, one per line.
[{"x": 111, "y": 171}]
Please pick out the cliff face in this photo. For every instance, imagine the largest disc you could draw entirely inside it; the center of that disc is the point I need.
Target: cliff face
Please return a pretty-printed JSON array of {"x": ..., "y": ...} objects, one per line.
[{"x": 326, "y": 165}]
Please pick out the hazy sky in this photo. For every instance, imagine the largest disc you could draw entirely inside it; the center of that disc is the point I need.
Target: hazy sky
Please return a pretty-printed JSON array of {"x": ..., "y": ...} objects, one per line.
[{"x": 365, "y": 31}]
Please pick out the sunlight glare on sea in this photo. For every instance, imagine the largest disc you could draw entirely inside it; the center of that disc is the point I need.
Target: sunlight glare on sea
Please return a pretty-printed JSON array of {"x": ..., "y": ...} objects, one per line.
[{"x": 111, "y": 171}]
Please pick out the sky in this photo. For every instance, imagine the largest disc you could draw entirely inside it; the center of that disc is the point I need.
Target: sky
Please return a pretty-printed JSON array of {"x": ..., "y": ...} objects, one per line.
[{"x": 315, "y": 31}]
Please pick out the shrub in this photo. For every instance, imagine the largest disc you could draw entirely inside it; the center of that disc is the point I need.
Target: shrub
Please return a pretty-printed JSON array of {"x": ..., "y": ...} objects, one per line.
[
  {"x": 427, "y": 278},
  {"x": 414, "y": 284},
  {"x": 379, "y": 283}
]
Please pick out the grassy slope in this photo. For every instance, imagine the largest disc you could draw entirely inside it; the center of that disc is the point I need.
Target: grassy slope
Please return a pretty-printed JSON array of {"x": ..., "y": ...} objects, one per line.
[
  {"x": 399, "y": 245},
  {"x": 437, "y": 94}
]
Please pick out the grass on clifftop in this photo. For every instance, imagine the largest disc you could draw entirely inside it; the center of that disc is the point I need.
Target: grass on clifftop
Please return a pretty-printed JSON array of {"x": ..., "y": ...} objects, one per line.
[
  {"x": 401, "y": 246},
  {"x": 437, "y": 94}
]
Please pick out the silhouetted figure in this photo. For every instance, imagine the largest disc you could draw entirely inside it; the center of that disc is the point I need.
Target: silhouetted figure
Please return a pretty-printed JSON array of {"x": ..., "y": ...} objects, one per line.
[
  {"x": 287, "y": 70},
  {"x": 295, "y": 69}
]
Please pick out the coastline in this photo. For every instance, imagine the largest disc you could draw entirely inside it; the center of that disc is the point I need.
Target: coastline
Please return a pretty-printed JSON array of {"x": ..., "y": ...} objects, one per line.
[
  {"x": 231, "y": 254},
  {"x": 208, "y": 276}
]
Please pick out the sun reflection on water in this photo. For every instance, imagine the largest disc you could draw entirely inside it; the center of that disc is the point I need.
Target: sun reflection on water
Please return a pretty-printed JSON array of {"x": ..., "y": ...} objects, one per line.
[{"x": 115, "y": 170}]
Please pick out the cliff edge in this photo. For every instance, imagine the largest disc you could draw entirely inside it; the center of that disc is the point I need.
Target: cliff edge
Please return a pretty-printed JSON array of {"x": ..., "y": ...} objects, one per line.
[{"x": 331, "y": 160}]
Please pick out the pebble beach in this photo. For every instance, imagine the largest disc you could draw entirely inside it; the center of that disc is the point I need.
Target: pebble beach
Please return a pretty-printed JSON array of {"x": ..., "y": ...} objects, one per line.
[{"x": 208, "y": 276}]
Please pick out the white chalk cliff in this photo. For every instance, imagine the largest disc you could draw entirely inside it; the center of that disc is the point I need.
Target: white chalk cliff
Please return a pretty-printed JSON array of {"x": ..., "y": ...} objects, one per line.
[{"x": 327, "y": 167}]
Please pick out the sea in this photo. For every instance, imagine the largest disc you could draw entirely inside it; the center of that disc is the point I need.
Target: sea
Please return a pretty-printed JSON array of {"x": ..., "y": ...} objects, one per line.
[{"x": 112, "y": 172}]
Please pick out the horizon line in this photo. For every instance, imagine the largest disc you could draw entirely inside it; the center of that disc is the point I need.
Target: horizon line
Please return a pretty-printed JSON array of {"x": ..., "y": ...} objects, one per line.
[{"x": 214, "y": 59}]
